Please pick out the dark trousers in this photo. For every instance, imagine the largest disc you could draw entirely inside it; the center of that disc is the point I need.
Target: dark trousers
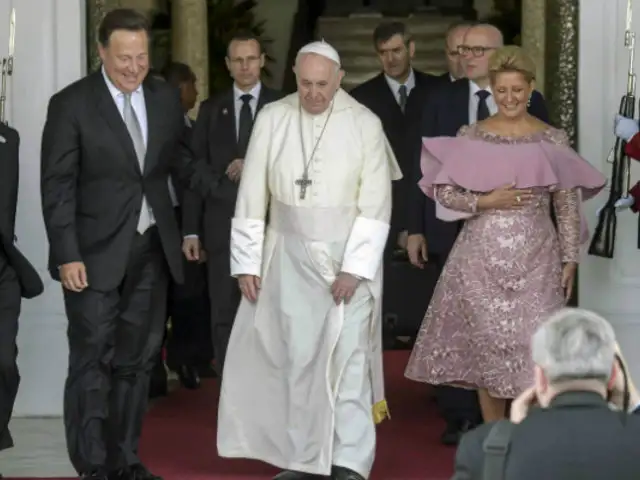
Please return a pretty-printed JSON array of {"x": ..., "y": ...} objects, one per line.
[
  {"x": 189, "y": 342},
  {"x": 113, "y": 339},
  {"x": 456, "y": 405},
  {"x": 9, "y": 377},
  {"x": 225, "y": 297}
]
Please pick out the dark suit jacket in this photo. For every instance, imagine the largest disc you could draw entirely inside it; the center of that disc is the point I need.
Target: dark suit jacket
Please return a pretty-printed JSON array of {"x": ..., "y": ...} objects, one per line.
[
  {"x": 214, "y": 141},
  {"x": 92, "y": 184},
  {"x": 445, "y": 111},
  {"x": 30, "y": 282},
  {"x": 376, "y": 95},
  {"x": 577, "y": 437}
]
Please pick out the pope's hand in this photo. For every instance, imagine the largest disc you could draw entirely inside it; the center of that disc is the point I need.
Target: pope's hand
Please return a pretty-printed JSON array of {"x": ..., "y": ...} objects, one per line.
[
  {"x": 625, "y": 128},
  {"x": 621, "y": 204},
  {"x": 344, "y": 287},
  {"x": 249, "y": 286}
]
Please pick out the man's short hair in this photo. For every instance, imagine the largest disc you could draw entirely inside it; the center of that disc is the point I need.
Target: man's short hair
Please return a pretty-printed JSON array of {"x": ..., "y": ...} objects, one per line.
[
  {"x": 121, "y": 19},
  {"x": 385, "y": 30},
  {"x": 245, "y": 36},
  {"x": 177, "y": 73},
  {"x": 456, "y": 25},
  {"x": 574, "y": 344}
]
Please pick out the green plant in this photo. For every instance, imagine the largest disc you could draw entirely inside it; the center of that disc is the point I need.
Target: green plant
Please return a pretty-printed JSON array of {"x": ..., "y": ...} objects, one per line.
[{"x": 226, "y": 18}]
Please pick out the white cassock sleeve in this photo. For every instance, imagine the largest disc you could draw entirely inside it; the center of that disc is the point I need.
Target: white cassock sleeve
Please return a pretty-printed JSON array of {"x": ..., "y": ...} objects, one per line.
[
  {"x": 365, "y": 247},
  {"x": 248, "y": 223}
]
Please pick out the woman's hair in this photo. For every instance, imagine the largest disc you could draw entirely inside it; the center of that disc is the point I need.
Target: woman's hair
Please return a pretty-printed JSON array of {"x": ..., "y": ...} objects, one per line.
[{"x": 512, "y": 58}]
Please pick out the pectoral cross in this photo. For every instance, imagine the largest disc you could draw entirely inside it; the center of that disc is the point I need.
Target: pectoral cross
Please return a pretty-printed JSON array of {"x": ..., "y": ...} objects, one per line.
[{"x": 304, "y": 183}]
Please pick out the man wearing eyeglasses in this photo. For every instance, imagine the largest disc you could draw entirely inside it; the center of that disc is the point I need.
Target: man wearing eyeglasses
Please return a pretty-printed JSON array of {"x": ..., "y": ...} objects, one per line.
[
  {"x": 453, "y": 40},
  {"x": 462, "y": 102}
]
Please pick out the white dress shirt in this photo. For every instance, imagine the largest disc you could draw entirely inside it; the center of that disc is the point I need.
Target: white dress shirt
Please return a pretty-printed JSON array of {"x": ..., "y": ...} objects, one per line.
[
  {"x": 474, "y": 100},
  {"x": 140, "y": 109}
]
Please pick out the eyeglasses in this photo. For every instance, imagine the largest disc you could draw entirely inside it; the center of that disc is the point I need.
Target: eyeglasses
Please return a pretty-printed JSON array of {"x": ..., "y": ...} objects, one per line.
[{"x": 476, "y": 51}]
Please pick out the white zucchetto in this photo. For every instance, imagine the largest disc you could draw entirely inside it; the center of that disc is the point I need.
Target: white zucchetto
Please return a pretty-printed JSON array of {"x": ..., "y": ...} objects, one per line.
[{"x": 321, "y": 48}]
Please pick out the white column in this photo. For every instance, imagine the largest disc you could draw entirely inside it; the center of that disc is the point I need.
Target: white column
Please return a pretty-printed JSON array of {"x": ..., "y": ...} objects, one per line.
[
  {"x": 610, "y": 287},
  {"x": 44, "y": 63}
]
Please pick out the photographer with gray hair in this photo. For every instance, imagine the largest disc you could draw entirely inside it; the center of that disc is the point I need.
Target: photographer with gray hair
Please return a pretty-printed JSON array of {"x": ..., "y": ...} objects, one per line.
[{"x": 573, "y": 422}]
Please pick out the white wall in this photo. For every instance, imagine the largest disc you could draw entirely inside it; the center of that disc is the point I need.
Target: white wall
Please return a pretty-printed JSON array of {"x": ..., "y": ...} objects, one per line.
[
  {"x": 611, "y": 287},
  {"x": 50, "y": 53}
]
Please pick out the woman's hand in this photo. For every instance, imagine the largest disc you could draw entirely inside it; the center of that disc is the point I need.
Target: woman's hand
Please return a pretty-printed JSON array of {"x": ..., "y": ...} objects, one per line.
[
  {"x": 568, "y": 279},
  {"x": 505, "y": 198}
]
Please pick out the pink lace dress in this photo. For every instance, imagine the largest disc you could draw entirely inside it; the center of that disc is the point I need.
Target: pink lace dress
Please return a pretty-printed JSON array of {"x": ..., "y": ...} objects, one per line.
[{"x": 502, "y": 279}]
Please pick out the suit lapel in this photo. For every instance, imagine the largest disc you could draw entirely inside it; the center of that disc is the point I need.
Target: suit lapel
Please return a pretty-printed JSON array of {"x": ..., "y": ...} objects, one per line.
[
  {"x": 108, "y": 109},
  {"x": 387, "y": 96},
  {"x": 262, "y": 99},
  {"x": 154, "y": 123},
  {"x": 228, "y": 119},
  {"x": 460, "y": 106}
]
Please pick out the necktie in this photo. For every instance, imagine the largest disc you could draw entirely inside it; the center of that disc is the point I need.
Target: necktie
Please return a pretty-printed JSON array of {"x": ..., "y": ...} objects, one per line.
[
  {"x": 135, "y": 132},
  {"x": 402, "y": 93},
  {"x": 483, "y": 109},
  {"x": 245, "y": 124}
]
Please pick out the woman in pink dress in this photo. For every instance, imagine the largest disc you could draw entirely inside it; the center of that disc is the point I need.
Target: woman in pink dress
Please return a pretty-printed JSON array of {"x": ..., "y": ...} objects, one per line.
[{"x": 510, "y": 266}]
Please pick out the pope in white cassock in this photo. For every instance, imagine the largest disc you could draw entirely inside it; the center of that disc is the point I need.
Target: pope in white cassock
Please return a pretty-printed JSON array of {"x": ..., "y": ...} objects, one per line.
[{"x": 302, "y": 387}]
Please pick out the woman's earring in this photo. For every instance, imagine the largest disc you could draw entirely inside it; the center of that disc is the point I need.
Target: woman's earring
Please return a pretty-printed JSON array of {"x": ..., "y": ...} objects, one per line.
[{"x": 529, "y": 102}]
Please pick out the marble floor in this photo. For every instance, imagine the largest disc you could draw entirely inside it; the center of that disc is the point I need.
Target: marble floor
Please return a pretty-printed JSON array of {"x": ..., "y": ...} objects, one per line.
[{"x": 40, "y": 449}]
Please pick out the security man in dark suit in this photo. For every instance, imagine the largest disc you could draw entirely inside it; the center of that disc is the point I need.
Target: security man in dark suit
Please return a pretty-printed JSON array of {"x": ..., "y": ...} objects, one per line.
[
  {"x": 189, "y": 350},
  {"x": 221, "y": 136},
  {"x": 18, "y": 279},
  {"x": 395, "y": 95},
  {"x": 445, "y": 111},
  {"x": 575, "y": 435},
  {"x": 109, "y": 144}
]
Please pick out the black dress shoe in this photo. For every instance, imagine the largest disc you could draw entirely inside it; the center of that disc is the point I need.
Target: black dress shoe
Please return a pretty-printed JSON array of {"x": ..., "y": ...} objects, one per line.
[
  {"x": 206, "y": 371},
  {"x": 94, "y": 475},
  {"x": 291, "y": 475},
  {"x": 134, "y": 472},
  {"x": 189, "y": 377},
  {"x": 342, "y": 473}
]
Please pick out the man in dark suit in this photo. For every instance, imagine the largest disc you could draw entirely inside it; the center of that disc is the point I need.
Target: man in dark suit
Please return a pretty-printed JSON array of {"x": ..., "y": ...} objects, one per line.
[
  {"x": 396, "y": 97},
  {"x": 109, "y": 144},
  {"x": 17, "y": 279},
  {"x": 220, "y": 137},
  {"x": 575, "y": 434},
  {"x": 445, "y": 111},
  {"x": 189, "y": 350}
]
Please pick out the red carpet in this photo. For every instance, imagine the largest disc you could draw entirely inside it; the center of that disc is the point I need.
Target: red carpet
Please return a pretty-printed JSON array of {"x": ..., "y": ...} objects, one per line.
[{"x": 179, "y": 440}]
